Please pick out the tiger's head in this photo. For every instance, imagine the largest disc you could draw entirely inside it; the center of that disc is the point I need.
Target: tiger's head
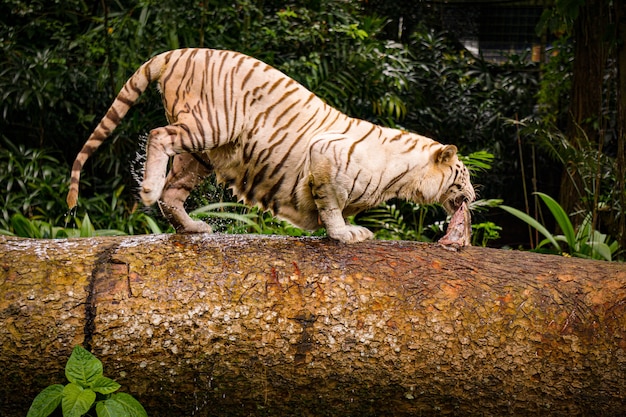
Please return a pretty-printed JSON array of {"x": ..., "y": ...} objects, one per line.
[{"x": 450, "y": 180}]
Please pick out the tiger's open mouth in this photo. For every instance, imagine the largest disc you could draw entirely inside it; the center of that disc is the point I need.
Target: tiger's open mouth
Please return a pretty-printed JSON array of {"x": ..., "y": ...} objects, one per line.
[
  {"x": 459, "y": 200},
  {"x": 453, "y": 203}
]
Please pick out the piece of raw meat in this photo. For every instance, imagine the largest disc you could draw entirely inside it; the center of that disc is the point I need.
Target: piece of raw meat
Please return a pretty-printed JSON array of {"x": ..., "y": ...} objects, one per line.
[{"x": 459, "y": 230}]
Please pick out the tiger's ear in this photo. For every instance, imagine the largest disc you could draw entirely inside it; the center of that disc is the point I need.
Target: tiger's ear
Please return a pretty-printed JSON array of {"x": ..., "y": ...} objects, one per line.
[{"x": 444, "y": 155}]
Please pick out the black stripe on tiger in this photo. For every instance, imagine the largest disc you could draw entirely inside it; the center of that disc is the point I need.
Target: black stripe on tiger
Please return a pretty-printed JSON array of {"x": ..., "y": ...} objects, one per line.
[{"x": 356, "y": 143}]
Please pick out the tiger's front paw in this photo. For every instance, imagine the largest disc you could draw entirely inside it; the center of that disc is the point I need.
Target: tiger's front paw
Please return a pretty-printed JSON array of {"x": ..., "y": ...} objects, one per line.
[{"x": 350, "y": 234}]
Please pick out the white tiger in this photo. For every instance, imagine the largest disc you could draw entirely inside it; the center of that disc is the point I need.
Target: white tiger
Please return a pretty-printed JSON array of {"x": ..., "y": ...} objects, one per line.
[{"x": 275, "y": 144}]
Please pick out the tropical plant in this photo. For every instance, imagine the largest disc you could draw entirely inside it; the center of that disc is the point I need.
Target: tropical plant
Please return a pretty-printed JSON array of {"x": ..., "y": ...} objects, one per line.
[
  {"x": 353, "y": 70},
  {"x": 465, "y": 98},
  {"x": 41, "y": 229},
  {"x": 32, "y": 201},
  {"x": 32, "y": 184},
  {"x": 483, "y": 233},
  {"x": 594, "y": 174},
  {"x": 228, "y": 216},
  {"x": 584, "y": 242},
  {"x": 87, "y": 389},
  {"x": 477, "y": 162},
  {"x": 272, "y": 225},
  {"x": 237, "y": 218},
  {"x": 401, "y": 220}
]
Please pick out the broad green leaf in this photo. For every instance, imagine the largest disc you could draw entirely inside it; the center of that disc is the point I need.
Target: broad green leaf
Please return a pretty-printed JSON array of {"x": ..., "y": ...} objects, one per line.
[
  {"x": 132, "y": 407},
  {"x": 110, "y": 408},
  {"x": 561, "y": 218},
  {"x": 46, "y": 401},
  {"x": 76, "y": 400},
  {"x": 601, "y": 249},
  {"x": 82, "y": 367},
  {"x": 533, "y": 223},
  {"x": 104, "y": 385},
  {"x": 599, "y": 237}
]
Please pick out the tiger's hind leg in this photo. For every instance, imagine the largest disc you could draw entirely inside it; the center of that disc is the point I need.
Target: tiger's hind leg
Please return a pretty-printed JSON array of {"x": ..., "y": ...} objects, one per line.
[
  {"x": 163, "y": 143},
  {"x": 187, "y": 171}
]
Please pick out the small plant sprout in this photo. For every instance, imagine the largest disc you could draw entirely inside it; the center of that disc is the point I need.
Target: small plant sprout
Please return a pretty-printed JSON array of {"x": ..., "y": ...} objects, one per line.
[{"x": 88, "y": 388}]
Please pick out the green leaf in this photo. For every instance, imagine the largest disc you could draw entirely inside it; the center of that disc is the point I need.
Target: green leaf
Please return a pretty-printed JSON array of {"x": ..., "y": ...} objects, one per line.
[
  {"x": 76, "y": 400},
  {"x": 82, "y": 367},
  {"x": 108, "y": 232},
  {"x": 152, "y": 224},
  {"x": 561, "y": 218},
  {"x": 24, "y": 227},
  {"x": 477, "y": 161},
  {"x": 601, "y": 249},
  {"x": 104, "y": 385},
  {"x": 86, "y": 227},
  {"x": 584, "y": 230},
  {"x": 543, "y": 243},
  {"x": 484, "y": 204},
  {"x": 110, "y": 408},
  {"x": 122, "y": 405},
  {"x": 46, "y": 401},
  {"x": 533, "y": 223},
  {"x": 214, "y": 211}
]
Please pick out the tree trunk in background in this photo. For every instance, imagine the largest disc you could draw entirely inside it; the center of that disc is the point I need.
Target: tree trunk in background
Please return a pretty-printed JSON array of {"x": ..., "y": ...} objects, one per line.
[
  {"x": 249, "y": 325},
  {"x": 585, "y": 121},
  {"x": 620, "y": 17}
]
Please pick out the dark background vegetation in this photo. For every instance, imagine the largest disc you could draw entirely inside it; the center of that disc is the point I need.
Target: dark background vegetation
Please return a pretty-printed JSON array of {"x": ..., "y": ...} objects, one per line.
[{"x": 553, "y": 126}]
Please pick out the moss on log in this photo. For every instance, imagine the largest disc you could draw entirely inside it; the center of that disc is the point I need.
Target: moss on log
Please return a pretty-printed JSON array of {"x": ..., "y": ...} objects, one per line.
[{"x": 216, "y": 325}]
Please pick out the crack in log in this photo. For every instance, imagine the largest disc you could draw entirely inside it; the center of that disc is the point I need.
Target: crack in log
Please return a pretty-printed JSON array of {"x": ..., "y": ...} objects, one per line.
[
  {"x": 102, "y": 261},
  {"x": 305, "y": 342}
]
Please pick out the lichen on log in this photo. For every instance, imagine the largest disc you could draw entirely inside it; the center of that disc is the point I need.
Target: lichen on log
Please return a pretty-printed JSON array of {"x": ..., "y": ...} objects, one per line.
[{"x": 254, "y": 325}]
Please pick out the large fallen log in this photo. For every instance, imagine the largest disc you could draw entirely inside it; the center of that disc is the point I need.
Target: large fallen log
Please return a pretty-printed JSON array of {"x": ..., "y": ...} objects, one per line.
[{"x": 248, "y": 325}]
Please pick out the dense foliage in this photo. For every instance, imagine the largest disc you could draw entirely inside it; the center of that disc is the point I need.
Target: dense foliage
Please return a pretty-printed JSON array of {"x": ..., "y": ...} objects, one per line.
[{"x": 62, "y": 62}]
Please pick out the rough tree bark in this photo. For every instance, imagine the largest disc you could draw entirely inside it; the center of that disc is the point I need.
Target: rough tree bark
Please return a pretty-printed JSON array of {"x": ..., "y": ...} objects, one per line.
[{"x": 239, "y": 325}]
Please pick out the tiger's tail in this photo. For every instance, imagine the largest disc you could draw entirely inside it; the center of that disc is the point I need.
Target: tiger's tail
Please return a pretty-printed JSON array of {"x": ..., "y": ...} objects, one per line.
[{"x": 126, "y": 98}]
